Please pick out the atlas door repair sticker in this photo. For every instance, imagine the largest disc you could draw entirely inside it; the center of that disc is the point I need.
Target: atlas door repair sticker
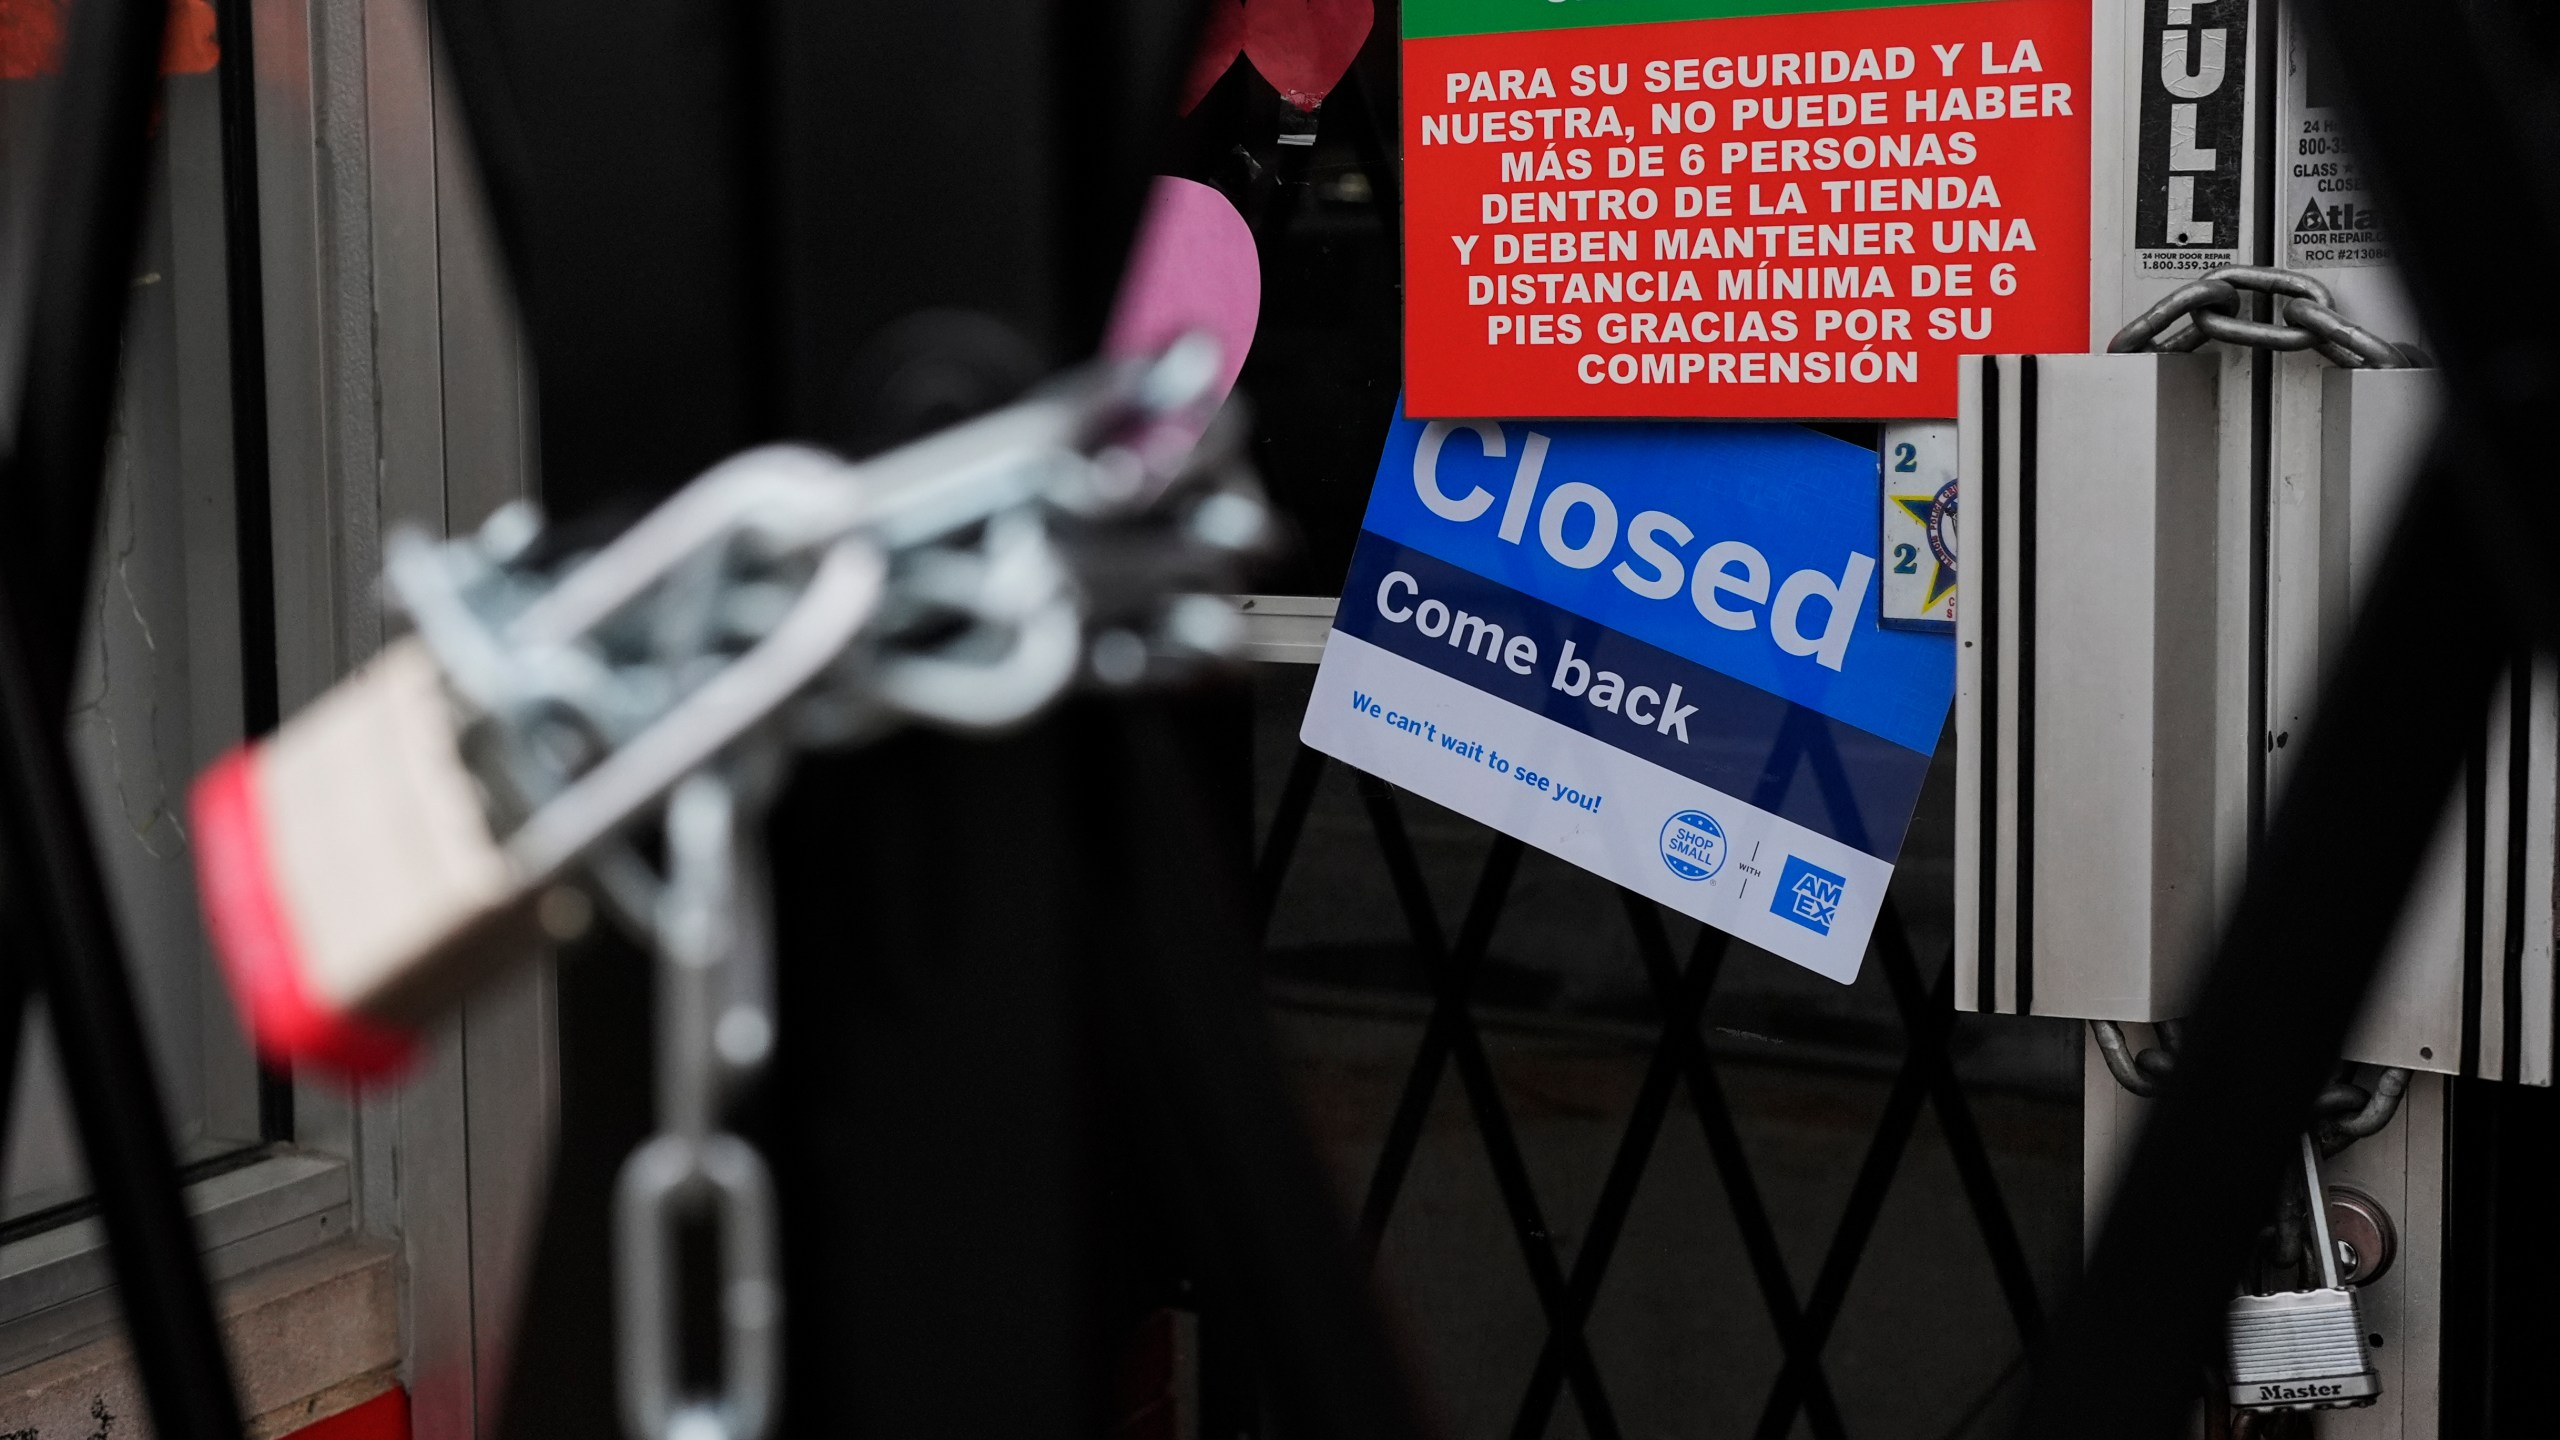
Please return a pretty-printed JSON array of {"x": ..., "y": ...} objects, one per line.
[
  {"x": 1651, "y": 650},
  {"x": 1738, "y": 208}
]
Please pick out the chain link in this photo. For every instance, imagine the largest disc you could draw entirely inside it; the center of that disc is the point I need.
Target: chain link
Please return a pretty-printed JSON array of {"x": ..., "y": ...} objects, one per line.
[{"x": 2304, "y": 316}]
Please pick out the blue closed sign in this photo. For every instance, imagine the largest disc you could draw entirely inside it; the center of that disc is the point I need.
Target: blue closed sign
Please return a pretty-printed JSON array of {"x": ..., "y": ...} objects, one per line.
[{"x": 1651, "y": 649}]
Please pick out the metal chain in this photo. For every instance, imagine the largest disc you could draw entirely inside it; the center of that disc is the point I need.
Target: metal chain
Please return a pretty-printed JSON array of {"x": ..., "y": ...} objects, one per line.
[
  {"x": 2303, "y": 316},
  {"x": 963, "y": 582},
  {"x": 786, "y": 600},
  {"x": 714, "y": 1031},
  {"x": 2345, "y": 1112}
]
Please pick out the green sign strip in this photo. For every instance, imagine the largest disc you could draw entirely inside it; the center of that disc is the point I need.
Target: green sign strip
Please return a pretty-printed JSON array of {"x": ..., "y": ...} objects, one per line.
[{"x": 1424, "y": 19}]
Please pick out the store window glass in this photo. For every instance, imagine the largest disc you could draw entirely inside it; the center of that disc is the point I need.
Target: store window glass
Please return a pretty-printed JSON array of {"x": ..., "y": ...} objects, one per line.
[
  {"x": 1380, "y": 888},
  {"x": 160, "y": 686}
]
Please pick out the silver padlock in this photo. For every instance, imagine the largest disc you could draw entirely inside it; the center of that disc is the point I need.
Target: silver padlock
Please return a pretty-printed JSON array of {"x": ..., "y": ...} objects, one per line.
[
  {"x": 352, "y": 875},
  {"x": 2302, "y": 1349}
]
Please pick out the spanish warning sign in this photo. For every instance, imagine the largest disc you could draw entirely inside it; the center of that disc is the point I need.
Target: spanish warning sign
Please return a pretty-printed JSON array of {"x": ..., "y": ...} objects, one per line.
[{"x": 1738, "y": 208}]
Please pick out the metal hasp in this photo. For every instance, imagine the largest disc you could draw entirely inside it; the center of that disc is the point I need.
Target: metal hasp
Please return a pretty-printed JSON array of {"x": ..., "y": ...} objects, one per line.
[
  {"x": 2105, "y": 662},
  {"x": 2467, "y": 986},
  {"x": 2090, "y": 683}
]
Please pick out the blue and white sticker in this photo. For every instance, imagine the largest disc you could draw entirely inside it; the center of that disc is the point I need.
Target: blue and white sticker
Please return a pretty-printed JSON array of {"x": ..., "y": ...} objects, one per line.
[
  {"x": 1693, "y": 845},
  {"x": 1809, "y": 895},
  {"x": 1651, "y": 650}
]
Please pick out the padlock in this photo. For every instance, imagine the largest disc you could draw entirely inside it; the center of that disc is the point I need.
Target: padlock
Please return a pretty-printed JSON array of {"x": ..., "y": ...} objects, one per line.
[
  {"x": 2302, "y": 1349},
  {"x": 352, "y": 878},
  {"x": 352, "y": 839}
]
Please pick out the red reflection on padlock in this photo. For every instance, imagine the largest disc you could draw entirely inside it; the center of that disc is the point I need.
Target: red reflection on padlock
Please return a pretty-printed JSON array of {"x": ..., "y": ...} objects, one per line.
[
  {"x": 253, "y": 933},
  {"x": 350, "y": 880}
]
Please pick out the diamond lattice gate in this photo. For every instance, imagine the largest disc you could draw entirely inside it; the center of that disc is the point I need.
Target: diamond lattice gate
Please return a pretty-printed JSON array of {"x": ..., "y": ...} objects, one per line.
[{"x": 1567, "y": 1369}]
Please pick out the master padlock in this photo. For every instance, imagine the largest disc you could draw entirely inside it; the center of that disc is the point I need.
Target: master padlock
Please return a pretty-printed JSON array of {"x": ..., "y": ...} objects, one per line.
[{"x": 2302, "y": 1349}]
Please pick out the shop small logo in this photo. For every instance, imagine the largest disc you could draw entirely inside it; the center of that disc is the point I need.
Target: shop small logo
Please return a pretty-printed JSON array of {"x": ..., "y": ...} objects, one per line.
[
  {"x": 1693, "y": 845},
  {"x": 1809, "y": 895}
]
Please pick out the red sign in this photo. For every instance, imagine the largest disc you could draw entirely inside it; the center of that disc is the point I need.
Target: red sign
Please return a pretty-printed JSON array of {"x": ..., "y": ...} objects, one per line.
[{"x": 1784, "y": 216}]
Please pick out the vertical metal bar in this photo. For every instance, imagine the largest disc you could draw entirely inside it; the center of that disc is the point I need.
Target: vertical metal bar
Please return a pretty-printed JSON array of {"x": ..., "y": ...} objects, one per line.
[
  {"x": 2024, "y": 851},
  {"x": 2475, "y": 883},
  {"x": 2519, "y": 807},
  {"x": 2474, "y": 1269},
  {"x": 245, "y": 325},
  {"x": 246, "y": 318},
  {"x": 1986, "y": 599},
  {"x": 2265, "y": 46}
]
